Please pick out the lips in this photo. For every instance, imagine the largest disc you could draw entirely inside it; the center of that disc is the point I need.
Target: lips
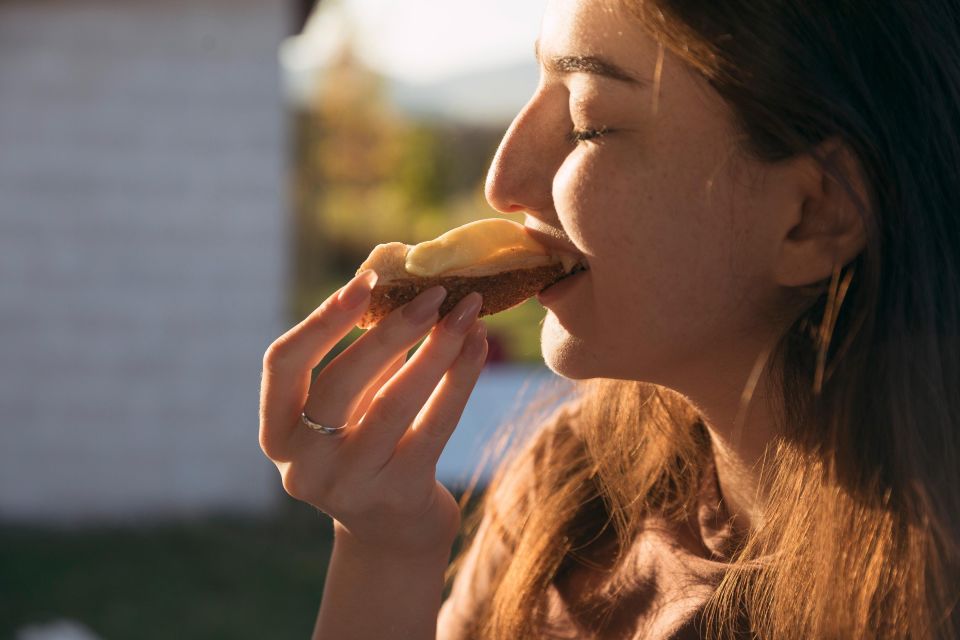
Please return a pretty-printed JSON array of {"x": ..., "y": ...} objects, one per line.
[
  {"x": 577, "y": 268},
  {"x": 576, "y": 259}
]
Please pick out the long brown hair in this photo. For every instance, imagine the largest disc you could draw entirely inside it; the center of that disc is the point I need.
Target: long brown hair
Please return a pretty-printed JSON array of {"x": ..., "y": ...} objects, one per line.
[{"x": 863, "y": 517}]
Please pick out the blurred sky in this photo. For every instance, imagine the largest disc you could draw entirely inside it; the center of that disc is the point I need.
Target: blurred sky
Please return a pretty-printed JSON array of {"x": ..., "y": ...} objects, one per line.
[
  {"x": 416, "y": 41},
  {"x": 425, "y": 40}
]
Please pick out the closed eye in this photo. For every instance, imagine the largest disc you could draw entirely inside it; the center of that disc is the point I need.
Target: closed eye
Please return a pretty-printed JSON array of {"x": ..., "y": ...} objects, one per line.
[{"x": 582, "y": 135}]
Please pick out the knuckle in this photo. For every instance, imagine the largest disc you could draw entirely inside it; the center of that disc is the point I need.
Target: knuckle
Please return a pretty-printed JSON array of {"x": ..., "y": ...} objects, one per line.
[
  {"x": 442, "y": 423},
  {"x": 388, "y": 405},
  {"x": 281, "y": 353},
  {"x": 274, "y": 442},
  {"x": 270, "y": 355},
  {"x": 339, "y": 501},
  {"x": 277, "y": 355},
  {"x": 320, "y": 490},
  {"x": 294, "y": 483},
  {"x": 434, "y": 429},
  {"x": 267, "y": 445}
]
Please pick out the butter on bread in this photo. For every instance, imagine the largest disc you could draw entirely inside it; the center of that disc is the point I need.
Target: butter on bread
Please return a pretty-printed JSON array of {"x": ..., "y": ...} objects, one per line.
[{"x": 495, "y": 257}]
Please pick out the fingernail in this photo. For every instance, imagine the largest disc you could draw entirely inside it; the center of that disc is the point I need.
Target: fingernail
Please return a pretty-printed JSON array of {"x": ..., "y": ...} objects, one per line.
[
  {"x": 357, "y": 290},
  {"x": 421, "y": 308},
  {"x": 464, "y": 313}
]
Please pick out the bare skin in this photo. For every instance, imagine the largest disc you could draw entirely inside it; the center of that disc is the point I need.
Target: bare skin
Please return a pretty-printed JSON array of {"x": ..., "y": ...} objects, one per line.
[{"x": 695, "y": 248}]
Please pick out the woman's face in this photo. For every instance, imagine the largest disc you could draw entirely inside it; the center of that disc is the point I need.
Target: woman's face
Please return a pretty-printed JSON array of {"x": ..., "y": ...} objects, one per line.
[{"x": 672, "y": 219}]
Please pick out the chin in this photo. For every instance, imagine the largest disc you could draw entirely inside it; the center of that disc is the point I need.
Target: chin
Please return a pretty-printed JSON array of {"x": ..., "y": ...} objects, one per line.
[
  {"x": 576, "y": 358},
  {"x": 564, "y": 354}
]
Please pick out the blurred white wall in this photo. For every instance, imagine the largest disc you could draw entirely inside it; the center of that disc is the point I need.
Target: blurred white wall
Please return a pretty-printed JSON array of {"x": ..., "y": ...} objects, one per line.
[{"x": 142, "y": 254}]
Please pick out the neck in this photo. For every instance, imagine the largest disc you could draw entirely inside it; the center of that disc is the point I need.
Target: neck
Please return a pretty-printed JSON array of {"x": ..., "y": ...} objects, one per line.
[
  {"x": 740, "y": 484},
  {"x": 740, "y": 415}
]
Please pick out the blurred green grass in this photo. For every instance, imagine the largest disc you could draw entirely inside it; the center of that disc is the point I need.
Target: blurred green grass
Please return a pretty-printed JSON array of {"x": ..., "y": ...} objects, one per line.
[{"x": 220, "y": 577}]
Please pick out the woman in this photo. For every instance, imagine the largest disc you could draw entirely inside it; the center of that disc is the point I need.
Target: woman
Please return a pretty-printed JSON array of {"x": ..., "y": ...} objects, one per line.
[{"x": 764, "y": 439}]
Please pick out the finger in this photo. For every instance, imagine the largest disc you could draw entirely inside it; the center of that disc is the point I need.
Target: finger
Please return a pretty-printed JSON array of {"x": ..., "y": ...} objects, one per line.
[
  {"x": 397, "y": 404},
  {"x": 373, "y": 388},
  {"x": 431, "y": 431},
  {"x": 288, "y": 362},
  {"x": 335, "y": 392}
]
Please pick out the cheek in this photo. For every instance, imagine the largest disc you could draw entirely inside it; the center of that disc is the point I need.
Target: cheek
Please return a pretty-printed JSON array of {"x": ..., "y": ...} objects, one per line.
[
  {"x": 600, "y": 197},
  {"x": 635, "y": 218},
  {"x": 658, "y": 235}
]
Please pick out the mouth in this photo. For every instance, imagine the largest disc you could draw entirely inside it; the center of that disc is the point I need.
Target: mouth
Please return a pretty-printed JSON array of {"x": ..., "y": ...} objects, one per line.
[{"x": 578, "y": 267}]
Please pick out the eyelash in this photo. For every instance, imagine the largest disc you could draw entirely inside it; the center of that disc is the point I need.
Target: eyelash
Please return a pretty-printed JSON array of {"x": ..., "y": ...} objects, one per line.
[{"x": 577, "y": 136}]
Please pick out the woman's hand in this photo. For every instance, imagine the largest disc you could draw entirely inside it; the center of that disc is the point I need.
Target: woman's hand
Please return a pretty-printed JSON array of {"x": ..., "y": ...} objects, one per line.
[{"x": 376, "y": 477}]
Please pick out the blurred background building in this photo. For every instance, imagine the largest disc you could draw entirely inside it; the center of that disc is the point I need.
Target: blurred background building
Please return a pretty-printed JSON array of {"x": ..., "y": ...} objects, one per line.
[
  {"x": 180, "y": 182},
  {"x": 143, "y": 254}
]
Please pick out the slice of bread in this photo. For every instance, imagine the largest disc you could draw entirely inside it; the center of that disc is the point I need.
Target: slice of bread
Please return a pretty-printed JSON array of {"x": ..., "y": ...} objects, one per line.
[{"x": 504, "y": 283}]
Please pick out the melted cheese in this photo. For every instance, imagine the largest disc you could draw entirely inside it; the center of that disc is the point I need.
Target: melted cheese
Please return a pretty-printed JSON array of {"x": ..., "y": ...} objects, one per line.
[{"x": 475, "y": 243}]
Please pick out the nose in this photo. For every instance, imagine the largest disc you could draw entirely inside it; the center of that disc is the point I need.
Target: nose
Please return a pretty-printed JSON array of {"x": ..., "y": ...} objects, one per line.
[{"x": 531, "y": 151}]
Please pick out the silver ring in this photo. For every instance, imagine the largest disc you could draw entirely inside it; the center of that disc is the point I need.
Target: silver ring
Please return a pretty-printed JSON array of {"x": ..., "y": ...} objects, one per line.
[{"x": 327, "y": 431}]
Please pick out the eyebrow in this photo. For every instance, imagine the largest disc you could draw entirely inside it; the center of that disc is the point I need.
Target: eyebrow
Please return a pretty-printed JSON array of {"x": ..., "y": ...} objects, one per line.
[{"x": 584, "y": 64}]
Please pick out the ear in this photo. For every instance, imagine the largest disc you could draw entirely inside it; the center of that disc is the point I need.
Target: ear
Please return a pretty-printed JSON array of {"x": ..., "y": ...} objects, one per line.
[{"x": 827, "y": 228}]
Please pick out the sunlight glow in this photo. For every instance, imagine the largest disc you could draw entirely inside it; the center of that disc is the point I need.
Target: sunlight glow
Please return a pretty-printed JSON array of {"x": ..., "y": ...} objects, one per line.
[{"x": 419, "y": 41}]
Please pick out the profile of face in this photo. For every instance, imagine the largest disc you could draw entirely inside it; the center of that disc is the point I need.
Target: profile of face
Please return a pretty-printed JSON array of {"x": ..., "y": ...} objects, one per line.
[{"x": 675, "y": 220}]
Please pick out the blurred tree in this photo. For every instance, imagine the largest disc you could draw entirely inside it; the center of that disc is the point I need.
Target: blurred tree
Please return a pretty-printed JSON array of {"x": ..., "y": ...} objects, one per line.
[
  {"x": 423, "y": 175},
  {"x": 364, "y": 173}
]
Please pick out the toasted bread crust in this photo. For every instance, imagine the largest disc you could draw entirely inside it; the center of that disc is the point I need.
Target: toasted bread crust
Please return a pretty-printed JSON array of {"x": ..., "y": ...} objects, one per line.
[{"x": 500, "y": 291}]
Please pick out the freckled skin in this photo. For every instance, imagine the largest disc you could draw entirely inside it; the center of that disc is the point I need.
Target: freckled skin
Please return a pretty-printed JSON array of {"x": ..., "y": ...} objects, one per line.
[
  {"x": 674, "y": 220},
  {"x": 698, "y": 252}
]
